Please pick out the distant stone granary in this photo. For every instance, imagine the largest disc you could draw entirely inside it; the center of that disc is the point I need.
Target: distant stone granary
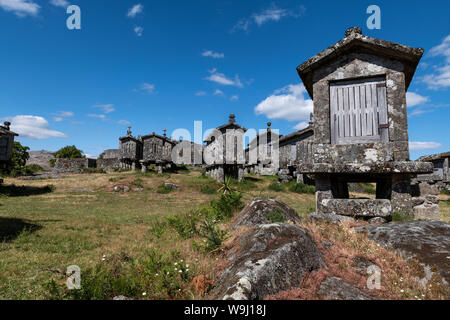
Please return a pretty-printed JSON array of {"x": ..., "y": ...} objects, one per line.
[
  {"x": 157, "y": 150},
  {"x": 6, "y": 142},
  {"x": 224, "y": 151},
  {"x": 360, "y": 125},
  {"x": 130, "y": 151},
  {"x": 262, "y": 146},
  {"x": 441, "y": 175}
]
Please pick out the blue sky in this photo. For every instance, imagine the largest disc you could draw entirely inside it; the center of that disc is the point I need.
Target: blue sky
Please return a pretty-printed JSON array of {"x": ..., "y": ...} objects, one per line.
[{"x": 164, "y": 64}]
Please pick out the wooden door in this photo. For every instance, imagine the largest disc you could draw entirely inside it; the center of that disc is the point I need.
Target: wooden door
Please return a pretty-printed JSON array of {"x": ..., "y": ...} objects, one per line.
[{"x": 358, "y": 111}]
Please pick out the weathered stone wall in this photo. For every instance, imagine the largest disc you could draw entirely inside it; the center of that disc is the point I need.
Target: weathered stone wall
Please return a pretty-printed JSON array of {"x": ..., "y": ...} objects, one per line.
[
  {"x": 156, "y": 149},
  {"x": 73, "y": 165},
  {"x": 360, "y": 65},
  {"x": 111, "y": 154},
  {"x": 108, "y": 164},
  {"x": 8, "y": 141},
  {"x": 130, "y": 148}
]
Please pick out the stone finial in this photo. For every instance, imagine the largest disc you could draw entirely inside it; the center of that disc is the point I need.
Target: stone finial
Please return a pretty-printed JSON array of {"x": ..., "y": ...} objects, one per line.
[
  {"x": 311, "y": 119},
  {"x": 7, "y": 125},
  {"x": 353, "y": 30},
  {"x": 129, "y": 132},
  {"x": 232, "y": 118},
  {"x": 269, "y": 124},
  {"x": 165, "y": 132}
]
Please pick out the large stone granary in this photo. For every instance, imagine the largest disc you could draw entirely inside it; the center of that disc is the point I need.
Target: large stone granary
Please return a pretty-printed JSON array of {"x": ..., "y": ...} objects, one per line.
[
  {"x": 157, "y": 150},
  {"x": 6, "y": 142},
  {"x": 130, "y": 151},
  {"x": 224, "y": 151},
  {"x": 359, "y": 90}
]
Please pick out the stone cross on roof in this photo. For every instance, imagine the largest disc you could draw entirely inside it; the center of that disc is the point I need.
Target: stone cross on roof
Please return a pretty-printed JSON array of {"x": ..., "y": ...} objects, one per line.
[{"x": 129, "y": 132}]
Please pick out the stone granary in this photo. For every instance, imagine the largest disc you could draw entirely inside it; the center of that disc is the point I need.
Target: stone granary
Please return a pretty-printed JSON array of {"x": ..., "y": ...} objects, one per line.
[
  {"x": 440, "y": 178},
  {"x": 6, "y": 143},
  {"x": 157, "y": 150},
  {"x": 359, "y": 90},
  {"x": 262, "y": 145},
  {"x": 224, "y": 151},
  {"x": 130, "y": 151},
  {"x": 295, "y": 148}
]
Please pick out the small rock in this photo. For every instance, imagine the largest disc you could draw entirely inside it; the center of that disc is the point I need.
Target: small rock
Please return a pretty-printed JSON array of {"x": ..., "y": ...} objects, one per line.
[
  {"x": 377, "y": 220},
  {"x": 284, "y": 178},
  {"x": 173, "y": 186},
  {"x": 417, "y": 201},
  {"x": 121, "y": 189},
  {"x": 361, "y": 264},
  {"x": 427, "y": 211},
  {"x": 330, "y": 218},
  {"x": 138, "y": 189},
  {"x": 335, "y": 289},
  {"x": 327, "y": 244},
  {"x": 432, "y": 199},
  {"x": 120, "y": 298},
  {"x": 426, "y": 189}
]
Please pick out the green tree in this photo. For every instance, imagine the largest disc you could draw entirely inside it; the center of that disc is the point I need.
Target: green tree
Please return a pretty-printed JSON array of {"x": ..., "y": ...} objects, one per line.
[
  {"x": 68, "y": 152},
  {"x": 17, "y": 165}
]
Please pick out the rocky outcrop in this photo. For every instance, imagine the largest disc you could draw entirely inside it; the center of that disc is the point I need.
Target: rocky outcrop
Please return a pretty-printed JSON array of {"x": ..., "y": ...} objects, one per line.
[
  {"x": 330, "y": 218},
  {"x": 41, "y": 158},
  {"x": 335, "y": 289},
  {"x": 268, "y": 259},
  {"x": 260, "y": 211},
  {"x": 426, "y": 241}
]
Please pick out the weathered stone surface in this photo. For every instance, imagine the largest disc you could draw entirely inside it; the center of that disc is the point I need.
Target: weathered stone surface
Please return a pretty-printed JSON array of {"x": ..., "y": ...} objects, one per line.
[
  {"x": 426, "y": 241},
  {"x": 432, "y": 198},
  {"x": 284, "y": 178},
  {"x": 73, "y": 165},
  {"x": 334, "y": 288},
  {"x": 269, "y": 259},
  {"x": 358, "y": 207},
  {"x": 170, "y": 185},
  {"x": 121, "y": 189},
  {"x": 428, "y": 189},
  {"x": 377, "y": 220},
  {"x": 121, "y": 298},
  {"x": 255, "y": 212},
  {"x": 427, "y": 211},
  {"x": 417, "y": 201},
  {"x": 330, "y": 218},
  {"x": 377, "y": 167}
]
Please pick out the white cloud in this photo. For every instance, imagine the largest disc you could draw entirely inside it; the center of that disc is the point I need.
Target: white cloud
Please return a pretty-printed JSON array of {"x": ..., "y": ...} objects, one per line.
[
  {"x": 135, "y": 10},
  {"x": 414, "y": 99},
  {"x": 139, "y": 31},
  {"x": 60, "y": 3},
  {"x": 219, "y": 93},
  {"x": 288, "y": 103},
  {"x": 441, "y": 78},
  {"x": 61, "y": 115},
  {"x": 200, "y": 93},
  {"x": 21, "y": 8},
  {"x": 106, "y": 108},
  {"x": 220, "y": 78},
  {"x": 234, "y": 97},
  {"x": 124, "y": 122},
  {"x": 212, "y": 54},
  {"x": 148, "y": 87},
  {"x": 33, "y": 127},
  {"x": 99, "y": 116},
  {"x": 301, "y": 125},
  {"x": 271, "y": 14},
  {"x": 419, "y": 146}
]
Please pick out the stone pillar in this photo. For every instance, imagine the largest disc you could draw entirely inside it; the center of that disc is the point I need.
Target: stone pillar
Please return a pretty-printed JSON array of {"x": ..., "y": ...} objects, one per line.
[
  {"x": 159, "y": 168},
  {"x": 220, "y": 174},
  {"x": 133, "y": 166},
  {"x": 401, "y": 195},
  {"x": 300, "y": 178},
  {"x": 446, "y": 170},
  {"x": 323, "y": 191},
  {"x": 144, "y": 168},
  {"x": 240, "y": 174}
]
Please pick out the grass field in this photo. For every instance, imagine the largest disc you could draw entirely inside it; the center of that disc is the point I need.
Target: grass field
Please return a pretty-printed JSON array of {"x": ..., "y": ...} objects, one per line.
[{"x": 48, "y": 225}]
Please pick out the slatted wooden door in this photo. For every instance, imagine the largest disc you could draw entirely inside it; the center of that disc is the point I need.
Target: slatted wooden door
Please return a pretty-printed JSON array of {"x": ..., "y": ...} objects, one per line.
[{"x": 358, "y": 111}]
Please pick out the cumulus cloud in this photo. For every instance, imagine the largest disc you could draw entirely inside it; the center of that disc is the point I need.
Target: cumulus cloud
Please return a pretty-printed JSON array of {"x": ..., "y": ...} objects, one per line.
[
  {"x": 440, "y": 78},
  {"x": 219, "y": 93},
  {"x": 21, "y": 8},
  {"x": 234, "y": 97},
  {"x": 33, "y": 127},
  {"x": 212, "y": 54},
  {"x": 139, "y": 31},
  {"x": 147, "y": 87},
  {"x": 289, "y": 103},
  {"x": 135, "y": 10},
  {"x": 420, "y": 146},
  {"x": 60, "y": 3},
  {"x": 414, "y": 99},
  {"x": 220, "y": 78}
]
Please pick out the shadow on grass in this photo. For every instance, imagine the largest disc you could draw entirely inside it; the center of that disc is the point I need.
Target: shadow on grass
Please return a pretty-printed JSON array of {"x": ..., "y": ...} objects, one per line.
[
  {"x": 252, "y": 179},
  {"x": 24, "y": 191},
  {"x": 11, "y": 228}
]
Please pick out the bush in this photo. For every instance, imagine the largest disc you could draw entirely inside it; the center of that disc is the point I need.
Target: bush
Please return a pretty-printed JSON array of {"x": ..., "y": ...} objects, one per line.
[
  {"x": 277, "y": 187},
  {"x": 184, "y": 225},
  {"x": 138, "y": 183},
  {"x": 158, "y": 228},
  {"x": 227, "y": 204},
  {"x": 163, "y": 189},
  {"x": 301, "y": 188},
  {"x": 368, "y": 188},
  {"x": 16, "y": 167},
  {"x": 208, "y": 190},
  {"x": 276, "y": 215},
  {"x": 69, "y": 152},
  {"x": 446, "y": 192}
]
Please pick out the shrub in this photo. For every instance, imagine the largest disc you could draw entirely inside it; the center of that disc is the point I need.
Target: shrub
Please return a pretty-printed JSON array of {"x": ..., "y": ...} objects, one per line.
[
  {"x": 184, "y": 225},
  {"x": 447, "y": 192},
  {"x": 208, "y": 190},
  {"x": 301, "y": 188},
  {"x": 139, "y": 183},
  {"x": 163, "y": 189},
  {"x": 16, "y": 167},
  {"x": 277, "y": 187},
  {"x": 368, "y": 188},
  {"x": 227, "y": 204},
  {"x": 158, "y": 228},
  {"x": 69, "y": 152},
  {"x": 400, "y": 216},
  {"x": 276, "y": 215}
]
